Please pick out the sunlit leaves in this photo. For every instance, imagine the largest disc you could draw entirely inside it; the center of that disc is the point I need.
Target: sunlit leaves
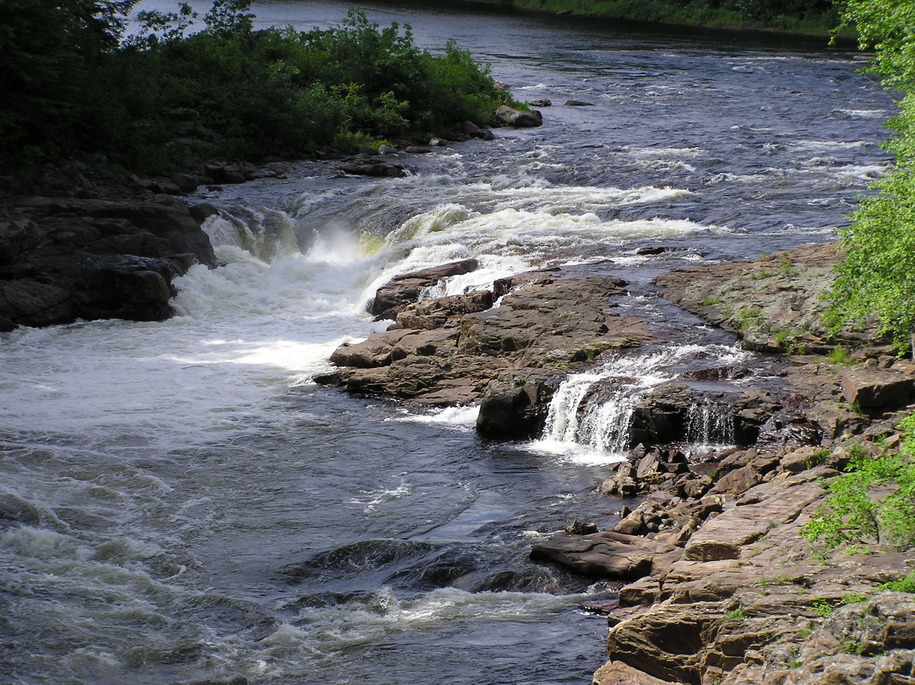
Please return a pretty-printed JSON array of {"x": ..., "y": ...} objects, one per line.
[{"x": 876, "y": 280}]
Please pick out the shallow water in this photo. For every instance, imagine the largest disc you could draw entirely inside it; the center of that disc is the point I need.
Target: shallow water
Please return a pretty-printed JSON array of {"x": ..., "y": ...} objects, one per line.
[{"x": 179, "y": 503}]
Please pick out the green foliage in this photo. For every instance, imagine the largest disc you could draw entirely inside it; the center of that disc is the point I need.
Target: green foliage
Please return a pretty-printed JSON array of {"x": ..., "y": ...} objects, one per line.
[
  {"x": 853, "y": 598},
  {"x": 838, "y": 355},
  {"x": 853, "y": 647},
  {"x": 873, "y": 500},
  {"x": 50, "y": 52},
  {"x": 165, "y": 97},
  {"x": 814, "y": 15},
  {"x": 906, "y": 584},
  {"x": 738, "y": 614},
  {"x": 780, "y": 580},
  {"x": 877, "y": 277},
  {"x": 822, "y": 608},
  {"x": 807, "y": 631}
]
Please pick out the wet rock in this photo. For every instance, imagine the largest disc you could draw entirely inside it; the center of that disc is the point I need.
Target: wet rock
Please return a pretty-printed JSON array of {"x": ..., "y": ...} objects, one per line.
[
  {"x": 578, "y": 103},
  {"x": 606, "y": 555},
  {"x": 374, "y": 167},
  {"x": 187, "y": 183},
  {"x": 436, "y": 313},
  {"x": 540, "y": 103},
  {"x": 519, "y": 118},
  {"x": 66, "y": 258},
  {"x": 579, "y": 528},
  {"x": 474, "y": 131},
  {"x": 511, "y": 410},
  {"x": 503, "y": 286},
  {"x": 454, "y": 350},
  {"x": 31, "y": 303},
  {"x": 404, "y": 289}
]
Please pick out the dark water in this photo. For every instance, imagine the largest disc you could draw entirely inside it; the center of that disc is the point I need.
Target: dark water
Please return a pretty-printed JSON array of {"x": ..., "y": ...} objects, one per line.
[{"x": 180, "y": 504}]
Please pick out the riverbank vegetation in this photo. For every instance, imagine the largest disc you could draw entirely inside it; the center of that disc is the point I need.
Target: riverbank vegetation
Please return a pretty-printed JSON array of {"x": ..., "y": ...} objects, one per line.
[
  {"x": 802, "y": 16},
  {"x": 877, "y": 277},
  {"x": 172, "y": 95}
]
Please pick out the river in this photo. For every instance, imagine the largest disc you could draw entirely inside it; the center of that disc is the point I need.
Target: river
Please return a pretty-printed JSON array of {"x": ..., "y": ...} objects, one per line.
[{"x": 180, "y": 503}]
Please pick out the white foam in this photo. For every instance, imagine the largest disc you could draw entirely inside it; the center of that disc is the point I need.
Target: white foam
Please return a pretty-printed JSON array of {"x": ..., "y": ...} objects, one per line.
[{"x": 460, "y": 418}]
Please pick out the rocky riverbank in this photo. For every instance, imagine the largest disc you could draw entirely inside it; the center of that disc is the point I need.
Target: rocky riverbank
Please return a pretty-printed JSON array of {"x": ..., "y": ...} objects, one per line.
[
  {"x": 63, "y": 259},
  {"x": 720, "y": 586}
]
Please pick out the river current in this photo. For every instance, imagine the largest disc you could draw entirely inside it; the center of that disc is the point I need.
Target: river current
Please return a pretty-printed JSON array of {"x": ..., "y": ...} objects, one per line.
[{"x": 180, "y": 503}]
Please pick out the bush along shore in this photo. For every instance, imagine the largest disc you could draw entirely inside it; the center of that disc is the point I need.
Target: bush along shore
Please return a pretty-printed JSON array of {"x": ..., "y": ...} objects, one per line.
[
  {"x": 786, "y": 558},
  {"x": 812, "y": 17},
  {"x": 91, "y": 225},
  {"x": 186, "y": 89}
]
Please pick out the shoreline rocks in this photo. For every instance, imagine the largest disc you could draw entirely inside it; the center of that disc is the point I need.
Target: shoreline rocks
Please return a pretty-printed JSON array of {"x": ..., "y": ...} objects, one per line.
[
  {"x": 720, "y": 587},
  {"x": 461, "y": 350},
  {"x": 63, "y": 259}
]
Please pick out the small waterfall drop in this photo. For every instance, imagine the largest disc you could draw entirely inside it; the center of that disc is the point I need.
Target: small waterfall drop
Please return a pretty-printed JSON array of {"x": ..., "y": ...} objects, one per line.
[
  {"x": 590, "y": 416},
  {"x": 709, "y": 424}
]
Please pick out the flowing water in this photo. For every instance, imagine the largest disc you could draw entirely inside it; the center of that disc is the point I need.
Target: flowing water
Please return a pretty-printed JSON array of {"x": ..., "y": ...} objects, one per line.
[{"x": 179, "y": 503}]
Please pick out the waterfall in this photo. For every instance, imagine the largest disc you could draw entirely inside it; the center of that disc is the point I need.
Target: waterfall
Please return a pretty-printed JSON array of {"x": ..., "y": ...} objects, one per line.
[
  {"x": 708, "y": 424},
  {"x": 591, "y": 413}
]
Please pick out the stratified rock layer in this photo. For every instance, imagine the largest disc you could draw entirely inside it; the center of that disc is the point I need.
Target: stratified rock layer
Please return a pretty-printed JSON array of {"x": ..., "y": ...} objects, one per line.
[{"x": 461, "y": 350}]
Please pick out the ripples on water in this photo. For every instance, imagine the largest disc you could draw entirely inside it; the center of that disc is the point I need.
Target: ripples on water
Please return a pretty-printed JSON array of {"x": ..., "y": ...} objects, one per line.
[{"x": 178, "y": 503}]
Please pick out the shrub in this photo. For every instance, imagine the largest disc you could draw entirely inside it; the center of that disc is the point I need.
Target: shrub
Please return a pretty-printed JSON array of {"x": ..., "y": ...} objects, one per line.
[
  {"x": 164, "y": 98},
  {"x": 855, "y": 511}
]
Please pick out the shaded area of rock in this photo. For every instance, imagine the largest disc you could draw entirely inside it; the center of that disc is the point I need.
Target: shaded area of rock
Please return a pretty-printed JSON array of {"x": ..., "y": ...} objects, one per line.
[
  {"x": 374, "y": 167},
  {"x": 63, "y": 259},
  {"x": 870, "y": 388}
]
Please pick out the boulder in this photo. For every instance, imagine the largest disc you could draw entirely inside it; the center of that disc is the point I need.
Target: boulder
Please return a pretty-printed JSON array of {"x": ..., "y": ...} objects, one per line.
[
  {"x": 606, "y": 555},
  {"x": 374, "y": 167},
  {"x": 64, "y": 258},
  {"x": 511, "y": 410},
  {"x": 436, "y": 313},
  {"x": 519, "y": 118},
  {"x": 618, "y": 673},
  {"x": 875, "y": 388},
  {"x": 474, "y": 131},
  {"x": 404, "y": 289}
]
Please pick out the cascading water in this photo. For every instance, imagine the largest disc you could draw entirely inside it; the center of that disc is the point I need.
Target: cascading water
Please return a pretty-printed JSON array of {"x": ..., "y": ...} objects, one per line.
[
  {"x": 590, "y": 414},
  {"x": 709, "y": 424},
  {"x": 180, "y": 504}
]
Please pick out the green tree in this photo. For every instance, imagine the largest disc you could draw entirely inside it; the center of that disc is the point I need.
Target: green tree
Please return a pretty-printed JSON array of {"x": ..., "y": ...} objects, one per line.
[
  {"x": 876, "y": 279},
  {"x": 51, "y": 52}
]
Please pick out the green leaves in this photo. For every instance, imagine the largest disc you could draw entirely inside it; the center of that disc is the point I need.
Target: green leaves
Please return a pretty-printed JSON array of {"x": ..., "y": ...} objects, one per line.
[
  {"x": 873, "y": 501},
  {"x": 876, "y": 280},
  {"x": 167, "y": 98}
]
